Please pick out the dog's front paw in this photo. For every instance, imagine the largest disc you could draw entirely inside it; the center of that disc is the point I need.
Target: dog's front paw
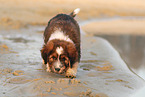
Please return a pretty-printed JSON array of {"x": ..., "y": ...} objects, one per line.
[
  {"x": 70, "y": 73},
  {"x": 48, "y": 68}
]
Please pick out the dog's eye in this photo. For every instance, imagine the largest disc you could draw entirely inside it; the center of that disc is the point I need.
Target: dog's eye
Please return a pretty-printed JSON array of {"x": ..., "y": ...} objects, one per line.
[
  {"x": 52, "y": 58},
  {"x": 63, "y": 59}
]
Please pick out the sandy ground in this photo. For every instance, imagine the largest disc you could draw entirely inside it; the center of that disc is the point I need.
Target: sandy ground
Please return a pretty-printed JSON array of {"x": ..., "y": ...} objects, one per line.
[
  {"x": 118, "y": 26},
  {"x": 102, "y": 73},
  {"x": 15, "y": 14}
]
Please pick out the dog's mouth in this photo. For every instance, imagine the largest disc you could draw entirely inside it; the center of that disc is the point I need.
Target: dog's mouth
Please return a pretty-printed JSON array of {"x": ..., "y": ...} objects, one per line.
[
  {"x": 61, "y": 70},
  {"x": 58, "y": 67}
]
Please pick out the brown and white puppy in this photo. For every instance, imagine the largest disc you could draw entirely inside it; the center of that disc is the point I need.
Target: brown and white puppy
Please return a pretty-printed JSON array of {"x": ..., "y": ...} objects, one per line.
[{"x": 61, "y": 49}]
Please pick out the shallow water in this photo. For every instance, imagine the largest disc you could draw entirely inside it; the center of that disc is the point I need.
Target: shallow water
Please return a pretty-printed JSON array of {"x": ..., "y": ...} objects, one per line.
[
  {"x": 111, "y": 18},
  {"x": 131, "y": 49}
]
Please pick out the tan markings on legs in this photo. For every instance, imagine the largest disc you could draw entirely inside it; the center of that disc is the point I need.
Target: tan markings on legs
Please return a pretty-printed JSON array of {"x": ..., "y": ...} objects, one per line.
[
  {"x": 48, "y": 68},
  {"x": 43, "y": 62},
  {"x": 71, "y": 72}
]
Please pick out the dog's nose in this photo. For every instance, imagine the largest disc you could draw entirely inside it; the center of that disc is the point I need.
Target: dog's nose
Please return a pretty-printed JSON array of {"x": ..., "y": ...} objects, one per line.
[{"x": 57, "y": 69}]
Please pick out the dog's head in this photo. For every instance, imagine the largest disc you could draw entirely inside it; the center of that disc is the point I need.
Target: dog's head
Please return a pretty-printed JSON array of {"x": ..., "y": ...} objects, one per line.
[{"x": 59, "y": 55}]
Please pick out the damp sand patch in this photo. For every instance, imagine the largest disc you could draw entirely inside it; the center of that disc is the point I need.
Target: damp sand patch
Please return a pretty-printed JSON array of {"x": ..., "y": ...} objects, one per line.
[
  {"x": 4, "y": 49},
  {"x": 90, "y": 93},
  {"x": 87, "y": 67},
  {"x": 59, "y": 87},
  {"x": 105, "y": 68},
  {"x": 96, "y": 65},
  {"x": 18, "y": 72},
  {"x": 5, "y": 71},
  {"x": 19, "y": 80},
  {"x": 20, "y": 40}
]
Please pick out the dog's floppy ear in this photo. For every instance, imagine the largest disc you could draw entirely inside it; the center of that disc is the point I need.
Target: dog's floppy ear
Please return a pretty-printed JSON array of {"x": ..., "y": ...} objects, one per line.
[
  {"x": 46, "y": 49},
  {"x": 73, "y": 54}
]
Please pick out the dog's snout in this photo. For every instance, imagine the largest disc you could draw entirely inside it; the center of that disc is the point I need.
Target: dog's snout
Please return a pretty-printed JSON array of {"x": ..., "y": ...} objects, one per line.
[{"x": 57, "y": 69}]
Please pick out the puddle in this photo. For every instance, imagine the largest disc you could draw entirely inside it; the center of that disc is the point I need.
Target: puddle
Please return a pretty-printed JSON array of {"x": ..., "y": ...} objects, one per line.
[
  {"x": 110, "y": 19},
  {"x": 19, "y": 80},
  {"x": 131, "y": 48},
  {"x": 87, "y": 67},
  {"x": 20, "y": 40}
]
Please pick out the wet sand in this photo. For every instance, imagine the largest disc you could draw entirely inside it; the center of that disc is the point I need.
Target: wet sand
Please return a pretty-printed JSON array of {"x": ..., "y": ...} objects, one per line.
[
  {"x": 16, "y": 14},
  {"x": 101, "y": 71},
  {"x": 127, "y": 35},
  {"x": 116, "y": 26}
]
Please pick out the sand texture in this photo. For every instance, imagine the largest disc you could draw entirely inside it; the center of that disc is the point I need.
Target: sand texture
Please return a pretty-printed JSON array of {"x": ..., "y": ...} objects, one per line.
[
  {"x": 119, "y": 26},
  {"x": 101, "y": 72},
  {"x": 22, "y": 13}
]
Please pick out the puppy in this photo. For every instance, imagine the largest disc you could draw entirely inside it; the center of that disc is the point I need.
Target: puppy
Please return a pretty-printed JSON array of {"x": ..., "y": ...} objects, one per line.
[{"x": 61, "y": 49}]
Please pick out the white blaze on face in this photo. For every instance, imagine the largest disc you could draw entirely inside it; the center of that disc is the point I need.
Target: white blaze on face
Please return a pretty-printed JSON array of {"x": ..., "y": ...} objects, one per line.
[
  {"x": 57, "y": 64},
  {"x": 59, "y": 50}
]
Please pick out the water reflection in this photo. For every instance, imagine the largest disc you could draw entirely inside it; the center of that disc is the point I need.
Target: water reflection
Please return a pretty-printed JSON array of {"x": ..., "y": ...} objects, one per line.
[{"x": 131, "y": 49}]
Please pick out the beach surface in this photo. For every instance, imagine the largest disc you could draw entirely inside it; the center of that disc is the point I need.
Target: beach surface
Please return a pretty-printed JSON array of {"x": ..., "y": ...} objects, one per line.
[{"x": 101, "y": 72}]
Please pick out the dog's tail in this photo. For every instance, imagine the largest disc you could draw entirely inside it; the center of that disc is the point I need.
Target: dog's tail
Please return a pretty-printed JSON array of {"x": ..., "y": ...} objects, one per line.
[{"x": 75, "y": 12}]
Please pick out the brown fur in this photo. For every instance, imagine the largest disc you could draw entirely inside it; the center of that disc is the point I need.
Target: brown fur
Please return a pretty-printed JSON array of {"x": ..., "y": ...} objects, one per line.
[
  {"x": 68, "y": 47},
  {"x": 68, "y": 25},
  {"x": 70, "y": 56}
]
